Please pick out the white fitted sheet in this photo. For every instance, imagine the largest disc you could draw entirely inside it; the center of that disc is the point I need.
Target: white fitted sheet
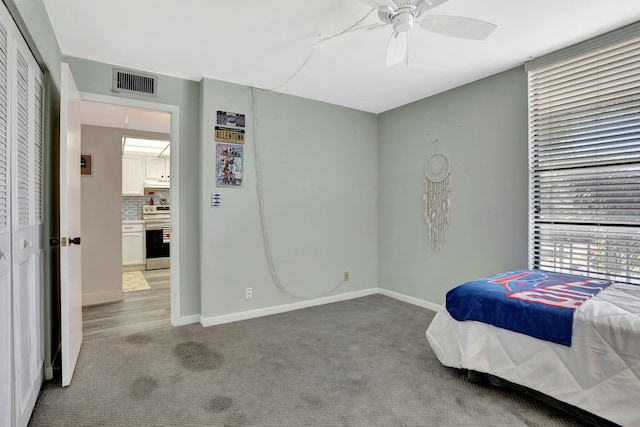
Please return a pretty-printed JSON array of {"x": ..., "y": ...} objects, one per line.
[{"x": 599, "y": 373}]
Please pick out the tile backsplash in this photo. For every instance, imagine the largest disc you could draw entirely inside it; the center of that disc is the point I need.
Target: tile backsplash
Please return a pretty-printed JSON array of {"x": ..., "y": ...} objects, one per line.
[{"x": 132, "y": 205}]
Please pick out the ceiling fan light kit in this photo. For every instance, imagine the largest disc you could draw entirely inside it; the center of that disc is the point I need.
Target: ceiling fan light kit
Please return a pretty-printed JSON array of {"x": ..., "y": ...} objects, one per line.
[{"x": 402, "y": 15}]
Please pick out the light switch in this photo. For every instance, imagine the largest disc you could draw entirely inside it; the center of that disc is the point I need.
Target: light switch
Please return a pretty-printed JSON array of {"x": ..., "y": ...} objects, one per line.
[{"x": 216, "y": 200}]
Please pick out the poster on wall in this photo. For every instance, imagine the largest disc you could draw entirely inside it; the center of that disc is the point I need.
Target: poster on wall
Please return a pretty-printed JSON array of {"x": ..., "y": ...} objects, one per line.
[
  {"x": 229, "y": 164},
  {"x": 225, "y": 118},
  {"x": 231, "y": 135}
]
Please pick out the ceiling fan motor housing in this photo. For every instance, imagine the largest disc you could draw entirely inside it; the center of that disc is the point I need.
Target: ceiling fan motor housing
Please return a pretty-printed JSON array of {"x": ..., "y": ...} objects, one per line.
[
  {"x": 402, "y": 22},
  {"x": 404, "y": 17}
]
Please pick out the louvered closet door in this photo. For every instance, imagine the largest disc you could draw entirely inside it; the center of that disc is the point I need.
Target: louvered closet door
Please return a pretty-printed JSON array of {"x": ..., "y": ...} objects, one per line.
[
  {"x": 26, "y": 235},
  {"x": 25, "y": 130},
  {"x": 5, "y": 244}
]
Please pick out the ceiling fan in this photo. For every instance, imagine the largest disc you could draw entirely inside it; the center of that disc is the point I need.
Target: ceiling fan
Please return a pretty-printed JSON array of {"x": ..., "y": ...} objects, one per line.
[{"x": 402, "y": 15}]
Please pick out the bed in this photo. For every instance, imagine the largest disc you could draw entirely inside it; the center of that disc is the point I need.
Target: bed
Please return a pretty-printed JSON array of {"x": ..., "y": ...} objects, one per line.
[{"x": 597, "y": 370}]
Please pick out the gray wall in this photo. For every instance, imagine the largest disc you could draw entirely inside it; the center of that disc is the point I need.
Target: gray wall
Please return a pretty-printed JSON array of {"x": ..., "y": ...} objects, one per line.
[
  {"x": 319, "y": 173},
  {"x": 93, "y": 77},
  {"x": 482, "y": 128}
]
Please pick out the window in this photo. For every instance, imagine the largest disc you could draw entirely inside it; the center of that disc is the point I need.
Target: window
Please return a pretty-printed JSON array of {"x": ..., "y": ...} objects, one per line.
[{"x": 584, "y": 162}]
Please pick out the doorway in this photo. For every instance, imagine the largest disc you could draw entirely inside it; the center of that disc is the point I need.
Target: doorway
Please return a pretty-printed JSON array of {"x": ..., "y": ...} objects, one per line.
[{"x": 163, "y": 295}]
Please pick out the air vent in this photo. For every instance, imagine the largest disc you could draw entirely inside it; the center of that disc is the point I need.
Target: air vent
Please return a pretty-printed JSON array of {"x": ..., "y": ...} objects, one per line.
[{"x": 133, "y": 82}]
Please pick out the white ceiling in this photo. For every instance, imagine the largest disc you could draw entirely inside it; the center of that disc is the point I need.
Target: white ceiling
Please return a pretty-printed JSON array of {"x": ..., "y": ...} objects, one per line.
[
  {"x": 270, "y": 44},
  {"x": 116, "y": 116}
]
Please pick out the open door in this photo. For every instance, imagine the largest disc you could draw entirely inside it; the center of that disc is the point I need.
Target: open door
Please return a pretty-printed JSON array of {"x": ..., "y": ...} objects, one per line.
[{"x": 70, "y": 210}]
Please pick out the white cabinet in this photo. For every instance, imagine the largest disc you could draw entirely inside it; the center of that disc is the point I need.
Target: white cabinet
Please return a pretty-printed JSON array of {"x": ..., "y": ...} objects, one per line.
[
  {"x": 21, "y": 218},
  {"x": 158, "y": 168},
  {"x": 133, "y": 243},
  {"x": 137, "y": 168},
  {"x": 132, "y": 175}
]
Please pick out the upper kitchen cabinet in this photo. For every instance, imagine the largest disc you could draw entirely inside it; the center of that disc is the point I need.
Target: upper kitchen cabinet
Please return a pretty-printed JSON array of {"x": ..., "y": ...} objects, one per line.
[
  {"x": 133, "y": 175},
  {"x": 158, "y": 167}
]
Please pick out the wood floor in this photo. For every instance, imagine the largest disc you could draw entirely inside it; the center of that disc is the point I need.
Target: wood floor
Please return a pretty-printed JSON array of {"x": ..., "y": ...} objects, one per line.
[{"x": 140, "y": 310}]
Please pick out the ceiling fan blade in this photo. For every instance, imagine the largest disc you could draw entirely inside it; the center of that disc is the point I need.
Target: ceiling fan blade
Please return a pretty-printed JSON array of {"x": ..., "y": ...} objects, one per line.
[
  {"x": 425, "y": 5},
  {"x": 397, "y": 48},
  {"x": 380, "y": 3},
  {"x": 457, "y": 26}
]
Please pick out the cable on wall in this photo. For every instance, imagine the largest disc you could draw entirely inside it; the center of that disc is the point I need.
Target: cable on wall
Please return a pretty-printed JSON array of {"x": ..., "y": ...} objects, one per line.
[
  {"x": 263, "y": 221},
  {"x": 322, "y": 39}
]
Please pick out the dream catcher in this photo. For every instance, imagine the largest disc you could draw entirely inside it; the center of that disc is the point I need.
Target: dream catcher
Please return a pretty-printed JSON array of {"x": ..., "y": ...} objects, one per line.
[{"x": 437, "y": 186}]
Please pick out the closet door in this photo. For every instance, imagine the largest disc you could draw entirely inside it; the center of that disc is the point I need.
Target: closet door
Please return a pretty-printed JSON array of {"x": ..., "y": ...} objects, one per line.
[
  {"x": 23, "y": 278},
  {"x": 25, "y": 130},
  {"x": 6, "y": 383}
]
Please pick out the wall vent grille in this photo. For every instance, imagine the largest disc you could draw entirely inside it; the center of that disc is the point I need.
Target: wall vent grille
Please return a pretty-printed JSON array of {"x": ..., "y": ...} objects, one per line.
[{"x": 134, "y": 82}]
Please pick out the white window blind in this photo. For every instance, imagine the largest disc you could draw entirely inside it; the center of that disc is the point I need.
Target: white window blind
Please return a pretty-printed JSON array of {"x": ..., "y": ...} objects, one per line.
[{"x": 584, "y": 163}]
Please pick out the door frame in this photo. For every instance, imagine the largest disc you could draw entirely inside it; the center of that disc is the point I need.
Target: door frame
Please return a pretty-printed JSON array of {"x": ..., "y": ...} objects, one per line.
[{"x": 174, "y": 110}]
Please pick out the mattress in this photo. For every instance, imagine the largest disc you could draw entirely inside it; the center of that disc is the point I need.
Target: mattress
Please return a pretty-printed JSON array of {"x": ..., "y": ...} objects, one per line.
[{"x": 599, "y": 372}]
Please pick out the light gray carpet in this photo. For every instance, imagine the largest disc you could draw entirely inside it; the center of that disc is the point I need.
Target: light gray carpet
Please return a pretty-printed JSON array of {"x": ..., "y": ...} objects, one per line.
[{"x": 363, "y": 362}]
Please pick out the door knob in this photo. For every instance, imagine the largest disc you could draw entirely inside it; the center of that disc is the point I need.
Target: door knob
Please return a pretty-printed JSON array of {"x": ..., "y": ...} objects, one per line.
[
  {"x": 74, "y": 241},
  {"x": 3, "y": 254},
  {"x": 27, "y": 243}
]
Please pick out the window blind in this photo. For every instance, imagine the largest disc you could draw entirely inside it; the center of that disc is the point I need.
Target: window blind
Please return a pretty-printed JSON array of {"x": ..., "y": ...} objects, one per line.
[{"x": 584, "y": 164}]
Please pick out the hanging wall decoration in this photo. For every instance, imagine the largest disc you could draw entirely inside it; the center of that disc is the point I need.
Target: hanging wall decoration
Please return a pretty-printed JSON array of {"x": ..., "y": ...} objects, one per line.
[{"x": 437, "y": 183}]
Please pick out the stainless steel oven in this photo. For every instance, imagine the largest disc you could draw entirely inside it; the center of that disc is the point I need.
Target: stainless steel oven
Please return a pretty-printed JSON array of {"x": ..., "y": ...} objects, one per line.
[{"x": 158, "y": 236}]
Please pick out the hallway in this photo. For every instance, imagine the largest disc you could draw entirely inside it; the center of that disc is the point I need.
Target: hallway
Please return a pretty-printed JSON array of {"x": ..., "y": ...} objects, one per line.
[{"x": 140, "y": 310}]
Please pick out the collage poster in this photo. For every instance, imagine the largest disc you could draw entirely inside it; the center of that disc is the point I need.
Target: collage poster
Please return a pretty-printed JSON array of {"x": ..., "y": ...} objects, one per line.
[
  {"x": 229, "y": 164},
  {"x": 229, "y": 135}
]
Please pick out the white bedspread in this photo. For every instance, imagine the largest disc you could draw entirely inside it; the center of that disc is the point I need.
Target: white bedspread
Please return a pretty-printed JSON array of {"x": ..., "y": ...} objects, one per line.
[{"x": 599, "y": 373}]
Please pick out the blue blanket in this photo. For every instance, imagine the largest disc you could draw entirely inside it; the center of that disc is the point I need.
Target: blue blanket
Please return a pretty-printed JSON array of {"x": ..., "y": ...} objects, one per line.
[{"x": 533, "y": 302}]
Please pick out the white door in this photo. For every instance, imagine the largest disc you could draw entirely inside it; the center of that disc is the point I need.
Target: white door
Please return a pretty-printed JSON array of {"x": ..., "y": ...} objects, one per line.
[
  {"x": 70, "y": 254},
  {"x": 6, "y": 307},
  {"x": 26, "y": 214}
]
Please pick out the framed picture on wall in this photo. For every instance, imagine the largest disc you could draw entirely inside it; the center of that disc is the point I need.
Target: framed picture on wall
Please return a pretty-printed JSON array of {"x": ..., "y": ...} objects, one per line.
[{"x": 86, "y": 165}]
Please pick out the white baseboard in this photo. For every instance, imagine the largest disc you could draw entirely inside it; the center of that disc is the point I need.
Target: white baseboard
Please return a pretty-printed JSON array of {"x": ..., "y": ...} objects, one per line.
[
  {"x": 186, "y": 320},
  {"x": 102, "y": 297},
  {"x": 251, "y": 314},
  {"x": 410, "y": 300}
]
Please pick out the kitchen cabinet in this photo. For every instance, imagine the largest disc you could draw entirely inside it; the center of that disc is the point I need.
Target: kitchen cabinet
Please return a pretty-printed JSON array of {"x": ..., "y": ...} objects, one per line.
[
  {"x": 157, "y": 167},
  {"x": 133, "y": 243},
  {"x": 133, "y": 175}
]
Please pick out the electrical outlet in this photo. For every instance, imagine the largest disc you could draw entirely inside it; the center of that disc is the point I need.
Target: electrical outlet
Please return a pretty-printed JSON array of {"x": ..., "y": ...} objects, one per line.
[
  {"x": 248, "y": 293},
  {"x": 346, "y": 276}
]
